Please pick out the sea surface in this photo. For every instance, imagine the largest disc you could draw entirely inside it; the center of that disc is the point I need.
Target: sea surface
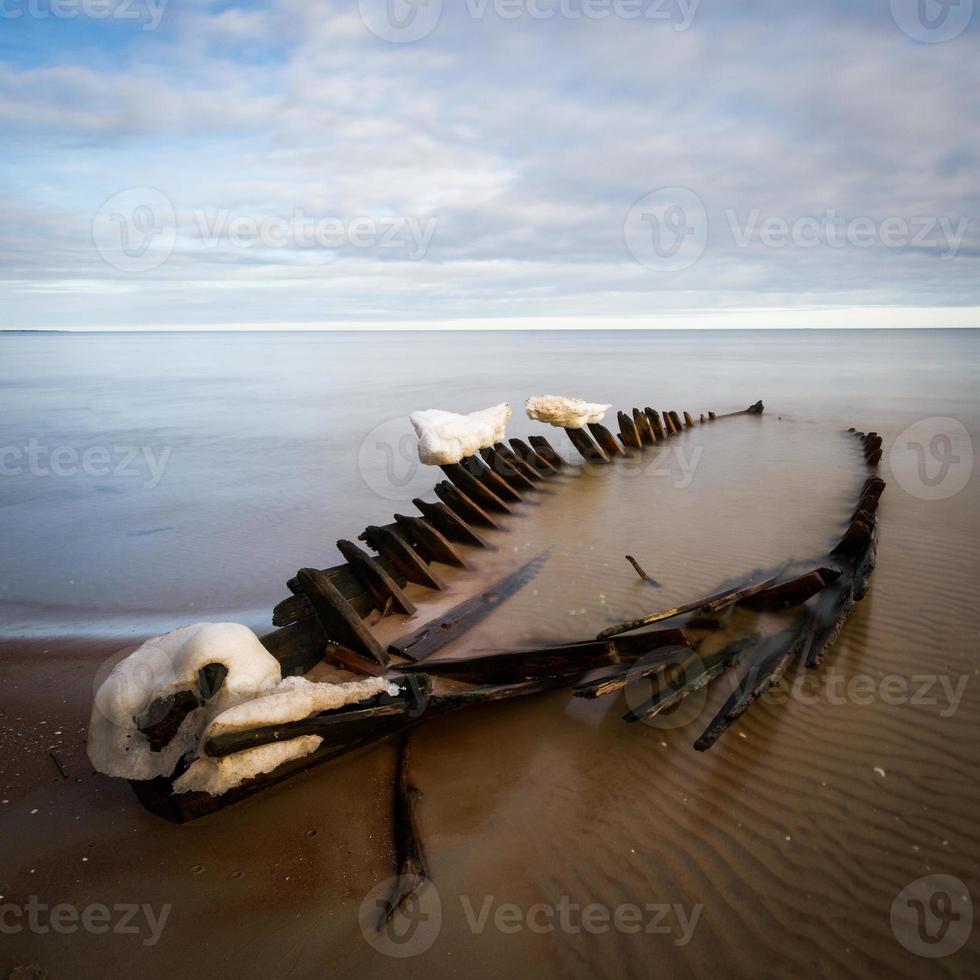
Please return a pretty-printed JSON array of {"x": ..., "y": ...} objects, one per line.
[{"x": 219, "y": 464}]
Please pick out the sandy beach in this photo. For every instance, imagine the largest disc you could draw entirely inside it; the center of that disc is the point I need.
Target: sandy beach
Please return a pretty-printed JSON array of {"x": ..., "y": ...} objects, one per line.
[{"x": 779, "y": 852}]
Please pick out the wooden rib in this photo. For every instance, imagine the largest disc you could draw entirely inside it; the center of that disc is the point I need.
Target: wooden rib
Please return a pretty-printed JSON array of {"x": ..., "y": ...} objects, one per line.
[
  {"x": 706, "y": 605},
  {"x": 587, "y": 448},
  {"x": 338, "y": 619},
  {"x": 379, "y": 583},
  {"x": 506, "y": 470},
  {"x": 711, "y": 416},
  {"x": 675, "y": 421},
  {"x": 854, "y": 541},
  {"x": 874, "y": 458},
  {"x": 627, "y": 432},
  {"x": 668, "y": 423},
  {"x": 498, "y": 486},
  {"x": 533, "y": 458},
  {"x": 688, "y": 421},
  {"x": 393, "y": 546},
  {"x": 702, "y": 418},
  {"x": 643, "y": 428},
  {"x": 606, "y": 440},
  {"x": 521, "y": 465},
  {"x": 474, "y": 489},
  {"x": 545, "y": 450},
  {"x": 430, "y": 542},
  {"x": 449, "y": 524},
  {"x": 463, "y": 506},
  {"x": 655, "y": 423},
  {"x": 793, "y": 593}
]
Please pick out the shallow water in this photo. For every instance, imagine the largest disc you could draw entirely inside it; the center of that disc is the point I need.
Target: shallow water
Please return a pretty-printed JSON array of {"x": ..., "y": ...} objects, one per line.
[{"x": 789, "y": 841}]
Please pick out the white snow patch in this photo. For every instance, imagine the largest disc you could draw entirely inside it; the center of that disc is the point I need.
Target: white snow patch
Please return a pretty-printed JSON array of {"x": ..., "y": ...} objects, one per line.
[
  {"x": 161, "y": 667},
  {"x": 217, "y": 776},
  {"x": 294, "y": 699},
  {"x": 568, "y": 413},
  {"x": 445, "y": 437}
]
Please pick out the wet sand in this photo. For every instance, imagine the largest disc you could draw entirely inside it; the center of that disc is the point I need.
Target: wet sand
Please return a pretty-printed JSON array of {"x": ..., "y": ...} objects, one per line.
[{"x": 782, "y": 848}]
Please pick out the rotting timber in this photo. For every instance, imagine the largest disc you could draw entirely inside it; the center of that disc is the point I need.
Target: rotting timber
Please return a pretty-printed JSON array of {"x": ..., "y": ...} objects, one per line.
[{"x": 330, "y": 614}]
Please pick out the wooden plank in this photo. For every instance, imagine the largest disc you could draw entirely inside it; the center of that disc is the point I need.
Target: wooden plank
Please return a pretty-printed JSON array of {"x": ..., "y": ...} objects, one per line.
[
  {"x": 449, "y": 524},
  {"x": 588, "y": 449},
  {"x": 379, "y": 583},
  {"x": 338, "y": 619},
  {"x": 465, "y": 481},
  {"x": 461, "y": 505},
  {"x": 430, "y": 542},
  {"x": 798, "y": 590},
  {"x": 435, "y": 634},
  {"x": 391, "y": 544}
]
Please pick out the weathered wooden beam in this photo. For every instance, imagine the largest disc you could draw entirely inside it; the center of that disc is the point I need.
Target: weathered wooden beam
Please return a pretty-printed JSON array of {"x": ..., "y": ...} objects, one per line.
[
  {"x": 498, "y": 486},
  {"x": 430, "y": 542},
  {"x": 700, "y": 606},
  {"x": 435, "y": 634},
  {"x": 545, "y": 450},
  {"x": 587, "y": 448},
  {"x": 793, "y": 593},
  {"x": 377, "y": 581},
  {"x": 519, "y": 464},
  {"x": 477, "y": 491},
  {"x": 339, "y": 620},
  {"x": 393, "y": 546},
  {"x": 465, "y": 508},
  {"x": 450, "y": 524},
  {"x": 507, "y": 472},
  {"x": 605, "y": 439},
  {"x": 533, "y": 458}
]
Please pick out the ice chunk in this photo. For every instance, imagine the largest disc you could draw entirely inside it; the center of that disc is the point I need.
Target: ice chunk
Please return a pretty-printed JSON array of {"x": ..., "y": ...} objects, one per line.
[
  {"x": 445, "y": 437},
  {"x": 217, "y": 776},
  {"x": 569, "y": 413},
  {"x": 296, "y": 698},
  {"x": 164, "y": 666}
]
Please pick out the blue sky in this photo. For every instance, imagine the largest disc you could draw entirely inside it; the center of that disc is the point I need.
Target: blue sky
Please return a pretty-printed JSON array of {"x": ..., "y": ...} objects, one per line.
[{"x": 520, "y": 162}]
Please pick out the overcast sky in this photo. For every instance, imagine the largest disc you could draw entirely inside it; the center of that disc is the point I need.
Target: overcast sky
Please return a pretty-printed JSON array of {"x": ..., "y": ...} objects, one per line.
[{"x": 545, "y": 162}]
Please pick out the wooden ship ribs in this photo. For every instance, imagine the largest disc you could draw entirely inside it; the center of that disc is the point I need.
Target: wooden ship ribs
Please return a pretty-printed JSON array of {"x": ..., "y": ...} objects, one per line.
[{"x": 326, "y": 615}]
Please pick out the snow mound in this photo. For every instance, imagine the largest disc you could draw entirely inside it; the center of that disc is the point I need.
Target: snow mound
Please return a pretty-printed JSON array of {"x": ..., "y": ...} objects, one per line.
[
  {"x": 165, "y": 666},
  {"x": 569, "y": 413},
  {"x": 445, "y": 437},
  {"x": 217, "y": 776},
  {"x": 294, "y": 699}
]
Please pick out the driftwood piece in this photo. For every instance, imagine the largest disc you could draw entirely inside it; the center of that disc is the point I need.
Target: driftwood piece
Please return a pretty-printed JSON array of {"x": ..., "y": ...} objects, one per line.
[
  {"x": 478, "y": 492},
  {"x": 430, "y": 542},
  {"x": 435, "y": 634},
  {"x": 639, "y": 571},
  {"x": 383, "y": 588},
  {"x": 774, "y": 655},
  {"x": 465, "y": 508},
  {"x": 533, "y": 458},
  {"x": 339, "y": 621},
  {"x": 450, "y": 524},
  {"x": 605, "y": 439},
  {"x": 545, "y": 450},
  {"x": 393, "y": 546},
  {"x": 708, "y": 604},
  {"x": 587, "y": 448}
]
